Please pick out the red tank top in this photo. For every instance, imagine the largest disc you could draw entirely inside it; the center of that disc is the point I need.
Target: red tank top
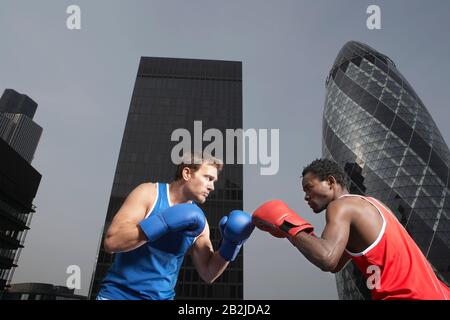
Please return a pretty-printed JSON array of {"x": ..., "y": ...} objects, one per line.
[{"x": 394, "y": 266}]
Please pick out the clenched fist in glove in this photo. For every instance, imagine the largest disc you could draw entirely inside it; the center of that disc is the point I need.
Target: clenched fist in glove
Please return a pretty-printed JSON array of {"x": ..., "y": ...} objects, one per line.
[
  {"x": 279, "y": 220},
  {"x": 235, "y": 228}
]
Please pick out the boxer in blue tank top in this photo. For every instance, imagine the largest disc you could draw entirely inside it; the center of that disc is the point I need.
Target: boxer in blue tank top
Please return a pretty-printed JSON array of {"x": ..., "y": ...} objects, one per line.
[{"x": 158, "y": 224}]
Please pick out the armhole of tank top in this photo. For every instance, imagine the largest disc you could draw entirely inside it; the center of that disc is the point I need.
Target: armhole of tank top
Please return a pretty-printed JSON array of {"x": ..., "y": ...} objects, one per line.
[
  {"x": 168, "y": 195},
  {"x": 195, "y": 239},
  {"x": 154, "y": 202},
  {"x": 383, "y": 227}
]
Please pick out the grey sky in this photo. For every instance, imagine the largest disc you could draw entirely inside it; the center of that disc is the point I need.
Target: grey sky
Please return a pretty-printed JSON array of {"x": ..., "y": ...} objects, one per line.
[{"x": 83, "y": 80}]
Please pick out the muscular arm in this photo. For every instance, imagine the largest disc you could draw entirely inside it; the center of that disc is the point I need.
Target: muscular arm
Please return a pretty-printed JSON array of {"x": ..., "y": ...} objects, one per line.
[
  {"x": 327, "y": 251},
  {"x": 342, "y": 263},
  {"x": 124, "y": 233},
  {"x": 209, "y": 264}
]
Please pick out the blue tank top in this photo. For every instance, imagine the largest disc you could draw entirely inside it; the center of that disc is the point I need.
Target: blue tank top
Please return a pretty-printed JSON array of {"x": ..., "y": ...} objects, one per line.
[{"x": 151, "y": 270}]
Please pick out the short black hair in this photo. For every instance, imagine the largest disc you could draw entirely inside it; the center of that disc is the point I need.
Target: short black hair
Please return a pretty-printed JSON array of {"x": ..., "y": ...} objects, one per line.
[{"x": 324, "y": 168}]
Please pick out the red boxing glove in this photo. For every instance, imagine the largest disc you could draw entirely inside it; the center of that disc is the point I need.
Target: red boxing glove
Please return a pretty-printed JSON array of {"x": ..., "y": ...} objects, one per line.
[{"x": 277, "y": 218}]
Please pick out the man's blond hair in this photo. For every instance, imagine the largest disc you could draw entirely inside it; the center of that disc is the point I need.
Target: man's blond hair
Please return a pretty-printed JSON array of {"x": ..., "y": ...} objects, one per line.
[{"x": 194, "y": 160}]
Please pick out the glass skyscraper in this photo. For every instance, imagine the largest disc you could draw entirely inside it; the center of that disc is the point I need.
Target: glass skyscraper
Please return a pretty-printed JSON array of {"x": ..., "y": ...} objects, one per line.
[
  {"x": 377, "y": 128},
  {"x": 19, "y": 183},
  {"x": 17, "y": 127},
  {"x": 170, "y": 94}
]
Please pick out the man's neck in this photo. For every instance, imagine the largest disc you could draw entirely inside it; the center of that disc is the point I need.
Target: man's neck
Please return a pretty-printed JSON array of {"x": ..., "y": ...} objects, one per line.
[
  {"x": 176, "y": 194},
  {"x": 340, "y": 192}
]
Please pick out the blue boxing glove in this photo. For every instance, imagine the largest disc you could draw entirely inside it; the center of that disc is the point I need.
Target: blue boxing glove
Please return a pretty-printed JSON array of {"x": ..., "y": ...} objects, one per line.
[
  {"x": 187, "y": 218},
  {"x": 235, "y": 230}
]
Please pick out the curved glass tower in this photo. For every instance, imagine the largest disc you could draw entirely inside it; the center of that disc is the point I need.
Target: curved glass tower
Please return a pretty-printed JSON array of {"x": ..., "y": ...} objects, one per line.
[{"x": 377, "y": 128}]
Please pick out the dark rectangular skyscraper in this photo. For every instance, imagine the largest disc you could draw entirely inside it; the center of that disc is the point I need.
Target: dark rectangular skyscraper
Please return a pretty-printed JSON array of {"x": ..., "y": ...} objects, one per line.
[
  {"x": 19, "y": 182},
  {"x": 17, "y": 127},
  {"x": 170, "y": 94},
  {"x": 15, "y": 102}
]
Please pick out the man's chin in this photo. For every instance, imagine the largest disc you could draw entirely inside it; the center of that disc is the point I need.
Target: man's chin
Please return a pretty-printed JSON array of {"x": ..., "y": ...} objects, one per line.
[
  {"x": 201, "y": 199},
  {"x": 316, "y": 211}
]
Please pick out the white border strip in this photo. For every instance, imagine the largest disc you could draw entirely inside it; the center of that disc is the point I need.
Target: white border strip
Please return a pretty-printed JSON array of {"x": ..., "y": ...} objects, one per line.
[
  {"x": 380, "y": 235},
  {"x": 154, "y": 203}
]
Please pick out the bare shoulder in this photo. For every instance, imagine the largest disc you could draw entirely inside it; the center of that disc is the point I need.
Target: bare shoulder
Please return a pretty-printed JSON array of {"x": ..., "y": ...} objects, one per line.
[
  {"x": 137, "y": 203},
  {"x": 147, "y": 187},
  {"x": 340, "y": 208},
  {"x": 145, "y": 190},
  {"x": 149, "y": 191},
  {"x": 348, "y": 205},
  {"x": 144, "y": 194}
]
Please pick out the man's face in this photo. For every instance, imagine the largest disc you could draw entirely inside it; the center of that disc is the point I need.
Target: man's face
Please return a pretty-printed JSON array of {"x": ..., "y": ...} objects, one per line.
[
  {"x": 318, "y": 193},
  {"x": 201, "y": 182}
]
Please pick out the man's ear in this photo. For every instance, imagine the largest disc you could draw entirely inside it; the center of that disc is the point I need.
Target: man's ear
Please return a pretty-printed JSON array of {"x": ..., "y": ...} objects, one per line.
[
  {"x": 186, "y": 173},
  {"x": 331, "y": 181}
]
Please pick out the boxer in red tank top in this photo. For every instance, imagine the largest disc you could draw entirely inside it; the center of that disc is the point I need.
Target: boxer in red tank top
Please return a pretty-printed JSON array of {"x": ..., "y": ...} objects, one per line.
[
  {"x": 358, "y": 228},
  {"x": 403, "y": 270}
]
